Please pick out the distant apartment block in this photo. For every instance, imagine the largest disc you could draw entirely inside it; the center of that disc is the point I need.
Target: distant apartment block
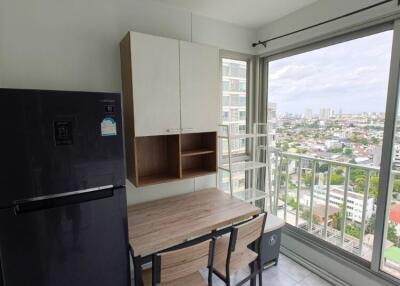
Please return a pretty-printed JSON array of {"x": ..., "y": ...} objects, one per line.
[
  {"x": 234, "y": 103},
  {"x": 355, "y": 202}
]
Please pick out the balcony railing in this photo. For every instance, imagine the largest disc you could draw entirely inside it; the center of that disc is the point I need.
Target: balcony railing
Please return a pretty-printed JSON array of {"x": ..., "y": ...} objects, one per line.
[{"x": 296, "y": 201}]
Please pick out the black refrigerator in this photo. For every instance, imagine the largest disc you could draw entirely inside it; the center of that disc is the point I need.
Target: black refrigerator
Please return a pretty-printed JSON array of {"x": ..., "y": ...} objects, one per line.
[{"x": 63, "y": 217}]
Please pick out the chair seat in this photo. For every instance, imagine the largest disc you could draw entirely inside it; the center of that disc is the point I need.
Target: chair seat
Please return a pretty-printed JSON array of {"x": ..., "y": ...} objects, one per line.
[
  {"x": 194, "y": 279},
  {"x": 239, "y": 259}
]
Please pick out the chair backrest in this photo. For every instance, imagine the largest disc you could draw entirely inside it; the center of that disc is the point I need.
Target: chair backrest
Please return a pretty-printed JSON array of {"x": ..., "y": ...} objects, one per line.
[
  {"x": 247, "y": 233},
  {"x": 179, "y": 263}
]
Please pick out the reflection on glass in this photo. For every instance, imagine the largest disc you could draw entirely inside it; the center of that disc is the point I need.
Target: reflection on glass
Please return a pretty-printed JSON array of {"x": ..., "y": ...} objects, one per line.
[
  {"x": 326, "y": 108},
  {"x": 391, "y": 248}
]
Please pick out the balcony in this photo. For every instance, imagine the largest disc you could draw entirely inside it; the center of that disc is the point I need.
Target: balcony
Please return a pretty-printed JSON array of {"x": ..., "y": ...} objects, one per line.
[{"x": 339, "y": 209}]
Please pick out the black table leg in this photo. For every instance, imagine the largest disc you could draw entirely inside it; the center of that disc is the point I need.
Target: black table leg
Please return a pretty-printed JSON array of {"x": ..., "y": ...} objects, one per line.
[{"x": 137, "y": 267}]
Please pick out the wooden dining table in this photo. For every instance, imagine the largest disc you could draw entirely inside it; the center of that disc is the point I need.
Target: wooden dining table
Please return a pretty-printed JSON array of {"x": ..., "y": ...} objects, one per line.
[{"x": 180, "y": 221}]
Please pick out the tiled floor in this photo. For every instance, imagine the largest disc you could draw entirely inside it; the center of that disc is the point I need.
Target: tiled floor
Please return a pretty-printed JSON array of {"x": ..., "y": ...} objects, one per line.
[{"x": 286, "y": 273}]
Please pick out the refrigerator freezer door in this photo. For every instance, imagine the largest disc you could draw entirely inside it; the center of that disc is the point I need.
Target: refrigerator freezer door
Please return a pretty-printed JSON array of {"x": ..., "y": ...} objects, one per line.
[
  {"x": 57, "y": 141},
  {"x": 77, "y": 244}
]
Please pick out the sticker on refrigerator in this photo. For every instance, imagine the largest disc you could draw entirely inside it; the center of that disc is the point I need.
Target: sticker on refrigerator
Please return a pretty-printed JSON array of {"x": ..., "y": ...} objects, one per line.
[{"x": 108, "y": 127}]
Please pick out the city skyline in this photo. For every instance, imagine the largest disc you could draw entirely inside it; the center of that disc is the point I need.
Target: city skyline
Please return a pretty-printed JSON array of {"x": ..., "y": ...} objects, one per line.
[
  {"x": 327, "y": 78},
  {"x": 317, "y": 113}
]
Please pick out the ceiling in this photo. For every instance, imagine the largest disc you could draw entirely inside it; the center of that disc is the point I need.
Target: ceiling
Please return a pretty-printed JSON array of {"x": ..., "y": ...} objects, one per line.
[{"x": 246, "y": 13}]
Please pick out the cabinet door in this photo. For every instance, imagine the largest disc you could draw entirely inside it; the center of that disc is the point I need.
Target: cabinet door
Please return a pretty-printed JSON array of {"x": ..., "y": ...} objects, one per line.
[
  {"x": 199, "y": 66},
  {"x": 155, "y": 80}
]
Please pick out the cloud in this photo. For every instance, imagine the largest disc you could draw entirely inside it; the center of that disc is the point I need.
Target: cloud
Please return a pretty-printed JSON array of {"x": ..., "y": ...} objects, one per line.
[
  {"x": 352, "y": 76},
  {"x": 295, "y": 72}
]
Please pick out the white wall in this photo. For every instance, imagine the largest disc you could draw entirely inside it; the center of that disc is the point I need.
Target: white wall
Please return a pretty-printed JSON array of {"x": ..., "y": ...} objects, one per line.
[
  {"x": 74, "y": 45},
  {"x": 315, "y": 13}
]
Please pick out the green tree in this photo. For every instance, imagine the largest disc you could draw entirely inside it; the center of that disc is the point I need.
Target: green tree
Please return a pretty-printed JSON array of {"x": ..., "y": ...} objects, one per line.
[
  {"x": 337, "y": 220},
  {"x": 391, "y": 234},
  {"x": 354, "y": 173},
  {"x": 347, "y": 151},
  {"x": 292, "y": 203},
  {"x": 359, "y": 184},
  {"x": 339, "y": 171},
  {"x": 336, "y": 150},
  {"x": 353, "y": 230},
  {"x": 306, "y": 216},
  {"x": 285, "y": 146},
  {"x": 396, "y": 186},
  {"x": 373, "y": 186},
  {"x": 307, "y": 179},
  {"x": 322, "y": 168},
  {"x": 301, "y": 151},
  {"x": 374, "y": 140},
  {"x": 337, "y": 179},
  {"x": 370, "y": 227}
]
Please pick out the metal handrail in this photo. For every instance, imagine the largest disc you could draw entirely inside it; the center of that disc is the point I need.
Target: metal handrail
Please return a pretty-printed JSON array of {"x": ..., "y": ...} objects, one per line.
[{"x": 300, "y": 158}]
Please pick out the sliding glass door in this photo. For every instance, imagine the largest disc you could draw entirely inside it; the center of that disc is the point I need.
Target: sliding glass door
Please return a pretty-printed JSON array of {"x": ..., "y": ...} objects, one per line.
[
  {"x": 388, "y": 237},
  {"x": 336, "y": 153}
]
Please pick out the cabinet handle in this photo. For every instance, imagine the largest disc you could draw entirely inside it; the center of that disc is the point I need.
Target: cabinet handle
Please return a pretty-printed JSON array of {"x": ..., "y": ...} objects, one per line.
[
  {"x": 187, "y": 129},
  {"x": 173, "y": 130}
]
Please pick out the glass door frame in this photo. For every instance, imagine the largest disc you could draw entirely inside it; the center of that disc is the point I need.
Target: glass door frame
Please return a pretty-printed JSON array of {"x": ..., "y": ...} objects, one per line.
[
  {"x": 386, "y": 162},
  {"x": 250, "y": 99},
  {"x": 385, "y": 189}
]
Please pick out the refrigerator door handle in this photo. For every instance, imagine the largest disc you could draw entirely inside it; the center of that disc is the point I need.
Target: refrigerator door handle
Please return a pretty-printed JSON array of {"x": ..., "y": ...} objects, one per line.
[
  {"x": 27, "y": 206},
  {"x": 78, "y": 192}
]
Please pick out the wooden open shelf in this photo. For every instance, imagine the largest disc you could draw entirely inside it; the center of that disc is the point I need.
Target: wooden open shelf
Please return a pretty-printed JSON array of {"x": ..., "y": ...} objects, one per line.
[
  {"x": 198, "y": 154},
  {"x": 164, "y": 158},
  {"x": 157, "y": 159}
]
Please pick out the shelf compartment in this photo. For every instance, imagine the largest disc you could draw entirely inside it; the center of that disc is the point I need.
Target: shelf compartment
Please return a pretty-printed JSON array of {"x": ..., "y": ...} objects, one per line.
[
  {"x": 242, "y": 166},
  {"x": 192, "y": 173},
  {"x": 197, "y": 152},
  {"x": 191, "y": 142},
  {"x": 155, "y": 179},
  {"x": 195, "y": 166},
  {"x": 157, "y": 159}
]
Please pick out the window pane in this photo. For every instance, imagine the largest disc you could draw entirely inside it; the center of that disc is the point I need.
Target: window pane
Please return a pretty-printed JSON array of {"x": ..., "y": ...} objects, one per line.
[
  {"x": 326, "y": 109},
  {"x": 234, "y": 114},
  {"x": 391, "y": 248},
  {"x": 234, "y": 100}
]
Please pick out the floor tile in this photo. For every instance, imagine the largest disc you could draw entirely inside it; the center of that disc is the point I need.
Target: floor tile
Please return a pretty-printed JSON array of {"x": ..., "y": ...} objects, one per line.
[
  {"x": 286, "y": 273},
  {"x": 313, "y": 280}
]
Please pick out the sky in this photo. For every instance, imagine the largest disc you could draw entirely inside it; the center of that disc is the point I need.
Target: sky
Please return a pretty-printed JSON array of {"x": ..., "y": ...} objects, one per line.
[{"x": 351, "y": 77}]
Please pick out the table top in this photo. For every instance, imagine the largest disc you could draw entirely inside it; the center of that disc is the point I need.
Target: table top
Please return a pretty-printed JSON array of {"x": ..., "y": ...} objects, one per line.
[
  {"x": 273, "y": 223},
  {"x": 157, "y": 225}
]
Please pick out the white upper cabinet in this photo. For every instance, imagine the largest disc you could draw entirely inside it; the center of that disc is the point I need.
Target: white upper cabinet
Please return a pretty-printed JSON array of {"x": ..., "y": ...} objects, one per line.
[
  {"x": 199, "y": 72},
  {"x": 155, "y": 83}
]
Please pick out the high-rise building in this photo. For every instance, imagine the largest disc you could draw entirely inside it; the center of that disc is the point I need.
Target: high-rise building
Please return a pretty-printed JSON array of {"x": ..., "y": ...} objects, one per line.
[
  {"x": 308, "y": 115},
  {"x": 325, "y": 113},
  {"x": 234, "y": 106},
  {"x": 234, "y": 103},
  {"x": 272, "y": 123}
]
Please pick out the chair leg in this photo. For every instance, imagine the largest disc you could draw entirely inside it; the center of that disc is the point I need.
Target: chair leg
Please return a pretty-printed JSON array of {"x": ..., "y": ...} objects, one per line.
[
  {"x": 228, "y": 281},
  {"x": 210, "y": 275},
  {"x": 260, "y": 272},
  {"x": 252, "y": 271}
]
